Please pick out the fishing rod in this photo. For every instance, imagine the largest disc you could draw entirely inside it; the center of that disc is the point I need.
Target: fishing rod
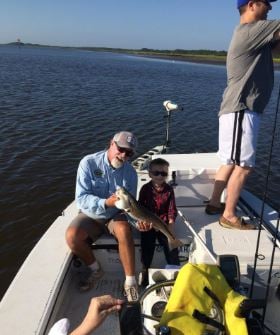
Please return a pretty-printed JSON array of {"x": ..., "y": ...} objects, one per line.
[
  {"x": 269, "y": 288},
  {"x": 263, "y": 203},
  {"x": 195, "y": 234}
]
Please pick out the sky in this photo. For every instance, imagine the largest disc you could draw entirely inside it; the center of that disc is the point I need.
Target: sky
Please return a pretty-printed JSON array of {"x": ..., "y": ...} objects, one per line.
[{"x": 132, "y": 24}]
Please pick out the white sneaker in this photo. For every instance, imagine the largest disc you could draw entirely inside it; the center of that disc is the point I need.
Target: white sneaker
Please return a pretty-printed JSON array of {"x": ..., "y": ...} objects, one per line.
[
  {"x": 131, "y": 293},
  {"x": 89, "y": 278}
]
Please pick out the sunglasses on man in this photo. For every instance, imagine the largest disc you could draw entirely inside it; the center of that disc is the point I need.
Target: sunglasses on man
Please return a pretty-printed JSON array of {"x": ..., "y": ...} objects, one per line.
[{"x": 127, "y": 152}]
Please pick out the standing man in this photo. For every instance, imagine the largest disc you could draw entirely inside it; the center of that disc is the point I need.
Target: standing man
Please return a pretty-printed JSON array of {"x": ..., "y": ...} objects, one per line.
[
  {"x": 98, "y": 177},
  {"x": 250, "y": 82}
]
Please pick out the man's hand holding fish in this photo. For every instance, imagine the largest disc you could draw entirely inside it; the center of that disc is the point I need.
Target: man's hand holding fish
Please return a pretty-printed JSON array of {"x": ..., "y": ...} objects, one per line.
[{"x": 110, "y": 202}]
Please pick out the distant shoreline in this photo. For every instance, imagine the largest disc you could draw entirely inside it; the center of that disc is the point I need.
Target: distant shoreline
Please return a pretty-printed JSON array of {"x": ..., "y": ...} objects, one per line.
[
  {"x": 201, "y": 59},
  {"x": 194, "y": 56},
  {"x": 189, "y": 58},
  {"x": 210, "y": 57}
]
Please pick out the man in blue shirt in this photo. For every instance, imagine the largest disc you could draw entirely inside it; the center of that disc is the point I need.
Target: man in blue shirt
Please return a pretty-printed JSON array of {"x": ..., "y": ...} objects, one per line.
[{"x": 98, "y": 177}]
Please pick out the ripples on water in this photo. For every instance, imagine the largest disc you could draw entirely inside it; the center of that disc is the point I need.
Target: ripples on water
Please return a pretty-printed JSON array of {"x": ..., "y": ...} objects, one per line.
[{"x": 58, "y": 105}]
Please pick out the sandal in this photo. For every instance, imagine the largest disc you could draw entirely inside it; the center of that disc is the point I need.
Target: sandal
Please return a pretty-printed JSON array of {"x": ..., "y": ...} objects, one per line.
[
  {"x": 213, "y": 210},
  {"x": 239, "y": 223}
]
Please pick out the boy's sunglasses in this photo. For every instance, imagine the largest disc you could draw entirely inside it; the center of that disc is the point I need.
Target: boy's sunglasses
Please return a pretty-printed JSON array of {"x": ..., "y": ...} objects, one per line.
[
  {"x": 128, "y": 152},
  {"x": 159, "y": 173}
]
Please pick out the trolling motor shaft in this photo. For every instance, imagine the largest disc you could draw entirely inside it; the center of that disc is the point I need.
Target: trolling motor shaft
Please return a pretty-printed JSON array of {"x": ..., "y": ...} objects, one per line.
[{"x": 169, "y": 107}]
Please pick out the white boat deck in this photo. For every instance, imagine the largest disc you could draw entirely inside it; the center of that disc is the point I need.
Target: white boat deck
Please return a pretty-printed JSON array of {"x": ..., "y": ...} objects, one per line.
[
  {"x": 193, "y": 189},
  {"x": 194, "y": 178}
]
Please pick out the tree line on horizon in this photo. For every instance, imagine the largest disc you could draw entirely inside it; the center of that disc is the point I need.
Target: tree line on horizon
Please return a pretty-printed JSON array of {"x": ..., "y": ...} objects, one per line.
[
  {"x": 168, "y": 52},
  {"x": 189, "y": 52},
  {"x": 163, "y": 51},
  {"x": 142, "y": 50}
]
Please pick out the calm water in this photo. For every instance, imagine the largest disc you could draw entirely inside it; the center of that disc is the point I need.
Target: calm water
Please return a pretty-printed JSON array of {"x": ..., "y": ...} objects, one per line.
[{"x": 59, "y": 105}]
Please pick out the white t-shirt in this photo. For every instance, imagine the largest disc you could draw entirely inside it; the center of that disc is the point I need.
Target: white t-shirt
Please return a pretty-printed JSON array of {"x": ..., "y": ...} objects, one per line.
[{"x": 61, "y": 327}]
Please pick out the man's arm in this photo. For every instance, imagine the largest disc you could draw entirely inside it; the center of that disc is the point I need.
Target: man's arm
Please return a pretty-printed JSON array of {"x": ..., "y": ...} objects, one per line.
[
  {"x": 276, "y": 43},
  {"x": 99, "y": 309},
  {"x": 85, "y": 198}
]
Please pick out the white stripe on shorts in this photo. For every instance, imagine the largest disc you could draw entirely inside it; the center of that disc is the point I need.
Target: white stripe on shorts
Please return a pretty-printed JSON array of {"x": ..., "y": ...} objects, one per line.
[{"x": 238, "y": 133}]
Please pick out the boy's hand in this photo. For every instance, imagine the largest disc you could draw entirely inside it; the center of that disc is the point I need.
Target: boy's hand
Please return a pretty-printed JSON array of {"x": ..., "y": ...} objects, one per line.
[
  {"x": 144, "y": 226},
  {"x": 170, "y": 227}
]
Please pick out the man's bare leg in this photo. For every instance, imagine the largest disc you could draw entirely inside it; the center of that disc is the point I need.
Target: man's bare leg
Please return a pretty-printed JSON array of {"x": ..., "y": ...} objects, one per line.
[
  {"x": 76, "y": 240},
  {"x": 221, "y": 180},
  {"x": 234, "y": 187},
  {"x": 123, "y": 234}
]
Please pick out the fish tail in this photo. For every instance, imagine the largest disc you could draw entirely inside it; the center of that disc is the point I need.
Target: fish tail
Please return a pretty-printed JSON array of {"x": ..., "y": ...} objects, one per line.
[{"x": 174, "y": 243}]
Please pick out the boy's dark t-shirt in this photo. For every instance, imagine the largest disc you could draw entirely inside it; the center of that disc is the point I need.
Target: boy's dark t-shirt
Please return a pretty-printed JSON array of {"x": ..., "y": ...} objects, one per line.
[{"x": 162, "y": 203}]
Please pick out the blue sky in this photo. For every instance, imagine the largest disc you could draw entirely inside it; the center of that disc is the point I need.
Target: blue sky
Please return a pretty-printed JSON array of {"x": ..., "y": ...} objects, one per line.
[{"x": 157, "y": 24}]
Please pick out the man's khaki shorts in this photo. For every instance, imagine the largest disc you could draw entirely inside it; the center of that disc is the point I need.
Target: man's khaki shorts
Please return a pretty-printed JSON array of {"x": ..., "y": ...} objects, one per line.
[{"x": 96, "y": 228}]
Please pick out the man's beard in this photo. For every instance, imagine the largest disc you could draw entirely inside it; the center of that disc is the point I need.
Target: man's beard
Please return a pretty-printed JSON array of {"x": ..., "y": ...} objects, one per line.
[{"x": 116, "y": 163}]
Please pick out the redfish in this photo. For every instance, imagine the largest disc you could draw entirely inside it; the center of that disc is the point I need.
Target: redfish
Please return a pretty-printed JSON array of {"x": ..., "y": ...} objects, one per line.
[{"x": 129, "y": 204}]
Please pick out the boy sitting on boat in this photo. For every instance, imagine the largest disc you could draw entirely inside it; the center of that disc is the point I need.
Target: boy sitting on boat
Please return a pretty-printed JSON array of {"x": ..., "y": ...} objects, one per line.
[{"x": 159, "y": 198}]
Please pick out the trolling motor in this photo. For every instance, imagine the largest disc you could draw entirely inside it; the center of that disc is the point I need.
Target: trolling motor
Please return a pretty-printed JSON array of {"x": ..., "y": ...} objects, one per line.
[{"x": 169, "y": 107}]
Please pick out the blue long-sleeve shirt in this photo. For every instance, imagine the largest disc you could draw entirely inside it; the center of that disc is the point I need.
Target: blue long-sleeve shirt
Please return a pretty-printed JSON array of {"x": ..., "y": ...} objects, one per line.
[{"x": 97, "y": 180}]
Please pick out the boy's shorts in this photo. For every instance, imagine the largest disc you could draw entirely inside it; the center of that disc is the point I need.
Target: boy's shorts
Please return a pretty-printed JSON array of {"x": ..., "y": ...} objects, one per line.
[
  {"x": 238, "y": 133},
  {"x": 96, "y": 228}
]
